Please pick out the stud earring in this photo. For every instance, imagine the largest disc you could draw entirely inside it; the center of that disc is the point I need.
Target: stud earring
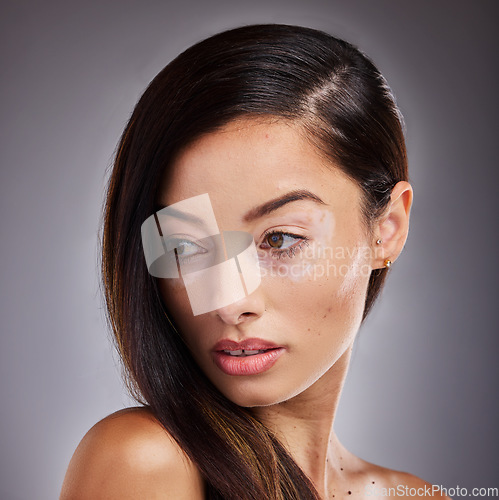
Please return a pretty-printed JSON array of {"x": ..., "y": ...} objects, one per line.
[
  {"x": 378, "y": 242},
  {"x": 388, "y": 263}
]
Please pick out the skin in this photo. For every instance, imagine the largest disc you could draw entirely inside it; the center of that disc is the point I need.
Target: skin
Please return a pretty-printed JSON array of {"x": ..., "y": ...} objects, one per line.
[
  {"x": 314, "y": 317},
  {"x": 316, "y": 320}
]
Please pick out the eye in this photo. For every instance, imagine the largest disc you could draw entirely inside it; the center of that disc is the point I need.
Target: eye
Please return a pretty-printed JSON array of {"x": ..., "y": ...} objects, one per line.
[
  {"x": 188, "y": 248},
  {"x": 280, "y": 240},
  {"x": 282, "y": 244},
  {"x": 185, "y": 248}
]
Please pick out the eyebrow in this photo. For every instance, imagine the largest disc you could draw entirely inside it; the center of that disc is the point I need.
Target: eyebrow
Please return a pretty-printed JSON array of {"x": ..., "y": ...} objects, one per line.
[
  {"x": 178, "y": 214},
  {"x": 272, "y": 205}
]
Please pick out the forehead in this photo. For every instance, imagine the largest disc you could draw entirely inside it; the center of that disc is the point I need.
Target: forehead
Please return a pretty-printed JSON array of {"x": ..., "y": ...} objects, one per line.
[{"x": 250, "y": 161}]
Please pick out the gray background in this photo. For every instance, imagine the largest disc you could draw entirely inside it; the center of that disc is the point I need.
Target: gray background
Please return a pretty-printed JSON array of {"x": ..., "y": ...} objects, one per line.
[{"x": 422, "y": 391}]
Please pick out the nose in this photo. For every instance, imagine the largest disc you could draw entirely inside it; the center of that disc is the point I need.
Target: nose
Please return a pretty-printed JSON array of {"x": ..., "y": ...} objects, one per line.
[{"x": 243, "y": 311}]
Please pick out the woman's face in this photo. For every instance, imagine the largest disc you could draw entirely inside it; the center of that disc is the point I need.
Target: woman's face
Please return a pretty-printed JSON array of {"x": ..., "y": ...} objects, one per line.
[{"x": 314, "y": 254}]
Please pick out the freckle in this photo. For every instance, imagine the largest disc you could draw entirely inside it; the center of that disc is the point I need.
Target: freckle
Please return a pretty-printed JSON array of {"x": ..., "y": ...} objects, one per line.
[
  {"x": 324, "y": 316},
  {"x": 308, "y": 330}
]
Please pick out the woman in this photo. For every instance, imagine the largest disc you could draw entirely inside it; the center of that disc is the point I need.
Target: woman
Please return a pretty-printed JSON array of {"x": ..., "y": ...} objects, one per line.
[{"x": 290, "y": 136}]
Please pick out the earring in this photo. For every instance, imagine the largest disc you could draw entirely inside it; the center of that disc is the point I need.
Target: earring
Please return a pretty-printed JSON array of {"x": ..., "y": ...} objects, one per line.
[
  {"x": 378, "y": 242},
  {"x": 388, "y": 263}
]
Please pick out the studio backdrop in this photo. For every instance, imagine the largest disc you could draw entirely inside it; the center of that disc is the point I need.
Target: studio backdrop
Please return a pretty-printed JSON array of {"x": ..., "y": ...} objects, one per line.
[{"x": 421, "y": 394}]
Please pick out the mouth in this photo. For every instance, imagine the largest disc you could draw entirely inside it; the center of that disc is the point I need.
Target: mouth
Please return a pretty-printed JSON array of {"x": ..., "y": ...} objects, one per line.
[
  {"x": 245, "y": 352},
  {"x": 250, "y": 357}
]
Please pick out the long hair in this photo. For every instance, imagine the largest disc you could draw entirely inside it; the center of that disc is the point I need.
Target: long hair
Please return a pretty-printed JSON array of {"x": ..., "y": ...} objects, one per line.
[{"x": 346, "y": 109}]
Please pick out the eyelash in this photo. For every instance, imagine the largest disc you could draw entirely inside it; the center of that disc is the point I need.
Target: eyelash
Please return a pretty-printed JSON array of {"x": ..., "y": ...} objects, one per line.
[
  {"x": 289, "y": 251},
  {"x": 276, "y": 253},
  {"x": 186, "y": 258}
]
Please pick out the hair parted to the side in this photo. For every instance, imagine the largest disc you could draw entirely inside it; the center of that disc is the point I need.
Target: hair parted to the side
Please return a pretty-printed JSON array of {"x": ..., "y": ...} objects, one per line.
[{"x": 346, "y": 109}]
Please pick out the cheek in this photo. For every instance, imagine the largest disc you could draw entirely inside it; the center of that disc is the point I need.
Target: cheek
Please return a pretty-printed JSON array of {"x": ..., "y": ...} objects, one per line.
[
  {"x": 320, "y": 295},
  {"x": 347, "y": 291},
  {"x": 177, "y": 303},
  {"x": 173, "y": 291}
]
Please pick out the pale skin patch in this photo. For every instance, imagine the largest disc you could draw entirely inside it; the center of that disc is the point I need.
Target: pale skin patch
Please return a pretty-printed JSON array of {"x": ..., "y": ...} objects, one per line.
[{"x": 311, "y": 257}]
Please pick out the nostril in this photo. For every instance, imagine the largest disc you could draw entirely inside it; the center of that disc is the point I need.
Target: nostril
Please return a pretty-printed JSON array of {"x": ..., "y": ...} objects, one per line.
[{"x": 245, "y": 315}]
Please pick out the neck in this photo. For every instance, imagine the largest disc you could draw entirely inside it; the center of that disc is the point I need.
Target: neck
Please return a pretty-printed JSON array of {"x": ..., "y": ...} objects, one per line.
[{"x": 304, "y": 425}]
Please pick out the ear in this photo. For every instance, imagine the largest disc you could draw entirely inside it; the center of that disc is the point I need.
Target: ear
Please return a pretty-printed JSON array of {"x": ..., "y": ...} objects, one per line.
[{"x": 393, "y": 227}]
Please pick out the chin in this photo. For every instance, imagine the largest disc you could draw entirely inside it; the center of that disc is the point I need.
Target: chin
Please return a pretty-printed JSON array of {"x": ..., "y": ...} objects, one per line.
[
  {"x": 251, "y": 400},
  {"x": 251, "y": 397}
]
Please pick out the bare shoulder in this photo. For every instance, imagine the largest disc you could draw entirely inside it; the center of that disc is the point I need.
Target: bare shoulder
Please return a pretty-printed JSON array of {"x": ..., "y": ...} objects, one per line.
[
  {"x": 415, "y": 487},
  {"x": 399, "y": 484},
  {"x": 130, "y": 455},
  {"x": 373, "y": 482}
]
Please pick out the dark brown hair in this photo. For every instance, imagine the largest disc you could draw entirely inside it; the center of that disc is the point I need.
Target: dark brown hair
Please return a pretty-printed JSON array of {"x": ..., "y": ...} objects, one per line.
[{"x": 346, "y": 109}]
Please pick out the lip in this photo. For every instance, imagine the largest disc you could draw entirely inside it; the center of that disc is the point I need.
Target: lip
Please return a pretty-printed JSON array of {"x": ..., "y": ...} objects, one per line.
[
  {"x": 253, "y": 344},
  {"x": 247, "y": 365}
]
